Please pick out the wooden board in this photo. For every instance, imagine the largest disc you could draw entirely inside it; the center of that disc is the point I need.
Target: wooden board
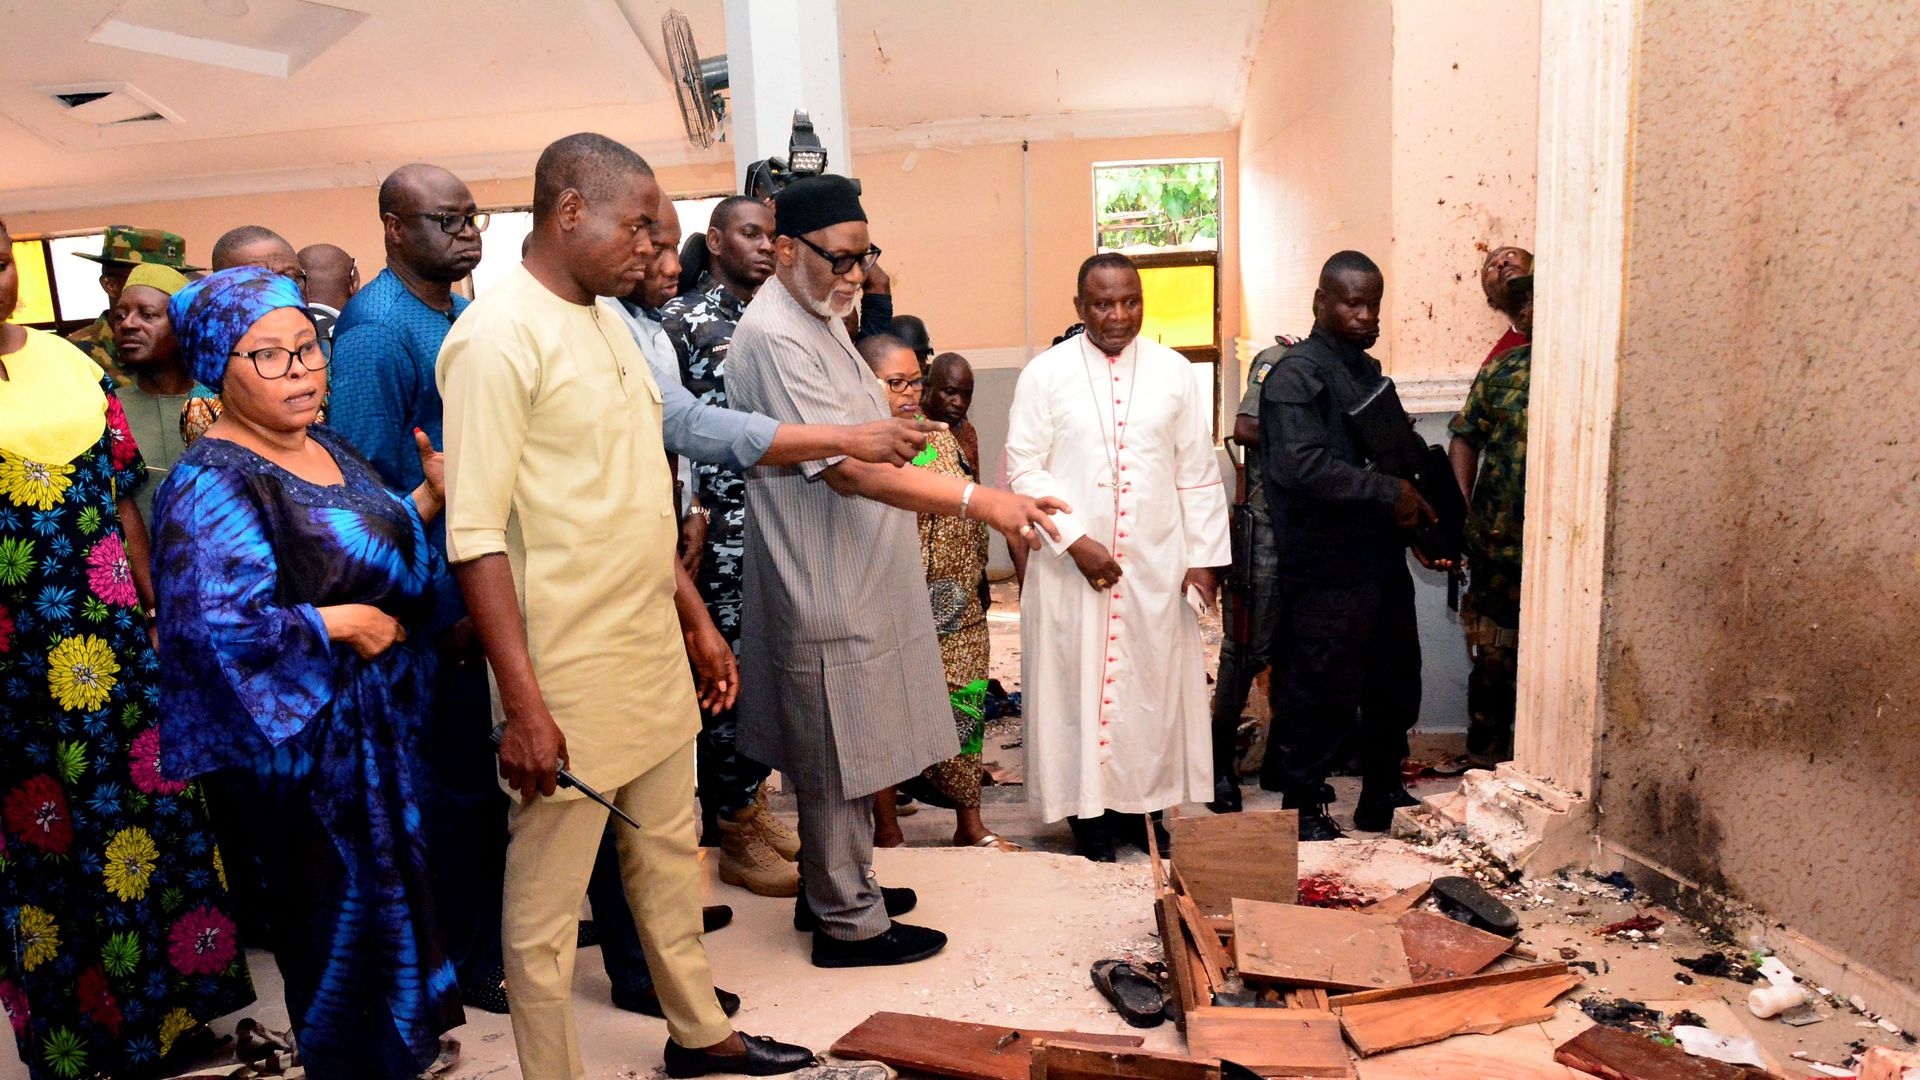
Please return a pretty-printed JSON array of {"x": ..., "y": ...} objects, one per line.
[
  {"x": 1212, "y": 956},
  {"x": 1081, "y": 1061},
  {"x": 1399, "y": 903},
  {"x": 1521, "y": 1053},
  {"x": 1440, "y": 948},
  {"x": 1251, "y": 856},
  {"x": 1486, "y": 978},
  {"x": 1271, "y": 1042},
  {"x": 1309, "y": 946},
  {"x": 951, "y": 1048},
  {"x": 1617, "y": 1055},
  {"x": 1187, "y": 981},
  {"x": 1414, "y": 1020}
]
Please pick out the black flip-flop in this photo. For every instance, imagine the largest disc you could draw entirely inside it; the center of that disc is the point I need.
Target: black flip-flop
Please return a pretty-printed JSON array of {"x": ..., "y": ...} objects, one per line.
[
  {"x": 1464, "y": 900},
  {"x": 1133, "y": 993}
]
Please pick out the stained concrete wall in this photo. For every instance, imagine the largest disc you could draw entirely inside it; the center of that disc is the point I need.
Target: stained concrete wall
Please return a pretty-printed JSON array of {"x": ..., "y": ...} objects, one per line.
[
  {"x": 1466, "y": 108},
  {"x": 1763, "y": 573},
  {"x": 1407, "y": 130}
]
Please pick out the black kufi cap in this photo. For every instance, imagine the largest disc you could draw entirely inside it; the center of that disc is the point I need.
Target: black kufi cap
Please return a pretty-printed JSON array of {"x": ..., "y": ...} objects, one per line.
[{"x": 816, "y": 202}]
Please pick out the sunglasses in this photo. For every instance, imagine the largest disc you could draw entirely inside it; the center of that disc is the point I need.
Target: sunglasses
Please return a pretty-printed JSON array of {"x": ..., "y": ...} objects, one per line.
[{"x": 843, "y": 264}]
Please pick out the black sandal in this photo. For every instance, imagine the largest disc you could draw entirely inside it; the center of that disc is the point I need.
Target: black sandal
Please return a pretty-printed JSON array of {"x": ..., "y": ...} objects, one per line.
[{"x": 1134, "y": 995}]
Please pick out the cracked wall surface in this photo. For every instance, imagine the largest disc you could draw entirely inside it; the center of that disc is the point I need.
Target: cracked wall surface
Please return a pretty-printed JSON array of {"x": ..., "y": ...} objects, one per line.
[{"x": 1762, "y": 633}]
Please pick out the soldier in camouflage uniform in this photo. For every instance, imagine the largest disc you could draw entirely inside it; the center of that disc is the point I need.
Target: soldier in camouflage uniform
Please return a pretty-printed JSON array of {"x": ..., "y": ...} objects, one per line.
[
  {"x": 700, "y": 325},
  {"x": 121, "y": 249},
  {"x": 1489, "y": 454}
]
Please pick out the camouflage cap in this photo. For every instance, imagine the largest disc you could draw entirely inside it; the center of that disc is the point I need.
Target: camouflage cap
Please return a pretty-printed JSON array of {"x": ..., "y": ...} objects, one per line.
[{"x": 126, "y": 244}]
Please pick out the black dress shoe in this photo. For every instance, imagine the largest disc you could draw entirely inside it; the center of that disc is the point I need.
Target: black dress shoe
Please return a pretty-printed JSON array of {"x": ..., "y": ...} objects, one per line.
[
  {"x": 1316, "y": 825},
  {"x": 897, "y": 944},
  {"x": 647, "y": 1003},
  {"x": 763, "y": 1057},
  {"x": 898, "y": 901},
  {"x": 488, "y": 995},
  {"x": 714, "y": 917},
  {"x": 1092, "y": 839},
  {"x": 1134, "y": 827}
]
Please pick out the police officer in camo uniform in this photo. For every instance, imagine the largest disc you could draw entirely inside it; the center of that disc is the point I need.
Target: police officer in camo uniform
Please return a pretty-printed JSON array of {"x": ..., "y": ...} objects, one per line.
[
  {"x": 700, "y": 324},
  {"x": 121, "y": 249},
  {"x": 1489, "y": 456}
]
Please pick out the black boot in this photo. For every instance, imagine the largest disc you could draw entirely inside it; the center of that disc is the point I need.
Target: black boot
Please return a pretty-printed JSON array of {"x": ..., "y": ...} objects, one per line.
[
  {"x": 1091, "y": 838},
  {"x": 1378, "y": 800},
  {"x": 1315, "y": 824},
  {"x": 1226, "y": 776}
]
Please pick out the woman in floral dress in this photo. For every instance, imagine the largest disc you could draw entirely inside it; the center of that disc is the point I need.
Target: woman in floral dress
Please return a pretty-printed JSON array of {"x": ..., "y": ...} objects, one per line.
[{"x": 112, "y": 896}]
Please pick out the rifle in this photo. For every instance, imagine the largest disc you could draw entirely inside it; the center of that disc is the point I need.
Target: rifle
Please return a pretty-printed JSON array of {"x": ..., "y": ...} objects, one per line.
[
  {"x": 1236, "y": 593},
  {"x": 1385, "y": 435}
]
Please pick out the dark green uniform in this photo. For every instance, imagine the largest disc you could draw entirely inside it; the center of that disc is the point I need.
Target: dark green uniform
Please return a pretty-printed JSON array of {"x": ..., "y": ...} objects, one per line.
[{"x": 1494, "y": 423}]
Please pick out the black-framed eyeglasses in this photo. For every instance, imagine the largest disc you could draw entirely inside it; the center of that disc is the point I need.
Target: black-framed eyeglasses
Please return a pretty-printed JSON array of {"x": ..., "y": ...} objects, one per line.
[
  {"x": 452, "y": 222},
  {"x": 842, "y": 264},
  {"x": 901, "y": 386},
  {"x": 274, "y": 362}
]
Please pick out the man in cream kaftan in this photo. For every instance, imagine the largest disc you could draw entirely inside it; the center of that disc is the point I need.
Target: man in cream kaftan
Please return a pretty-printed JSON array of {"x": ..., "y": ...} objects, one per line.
[{"x": 1114, "y": 679}]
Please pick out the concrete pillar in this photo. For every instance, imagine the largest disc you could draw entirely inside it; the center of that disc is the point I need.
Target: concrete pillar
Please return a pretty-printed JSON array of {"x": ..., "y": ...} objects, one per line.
[
  {"x": 1586, "y": 120},
  {"x": 784, "y": 55}
]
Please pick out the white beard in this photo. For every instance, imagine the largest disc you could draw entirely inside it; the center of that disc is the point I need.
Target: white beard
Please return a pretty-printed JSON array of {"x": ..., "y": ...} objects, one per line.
[{"x": 831, "y": 308}]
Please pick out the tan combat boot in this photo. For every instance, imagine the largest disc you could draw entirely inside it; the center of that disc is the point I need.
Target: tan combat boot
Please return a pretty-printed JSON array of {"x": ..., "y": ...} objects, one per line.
[
  {"x": 778, "y": 834},
  {"x": 746, "y": 860}
]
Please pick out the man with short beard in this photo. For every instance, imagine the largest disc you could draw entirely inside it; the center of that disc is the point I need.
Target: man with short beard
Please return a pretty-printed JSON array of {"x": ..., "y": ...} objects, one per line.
[{"x": 840, "y": 665}]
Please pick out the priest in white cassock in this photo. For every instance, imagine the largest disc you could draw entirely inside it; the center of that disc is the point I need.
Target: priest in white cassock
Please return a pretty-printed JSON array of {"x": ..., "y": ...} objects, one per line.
[{"x": 1113, "y": 674}]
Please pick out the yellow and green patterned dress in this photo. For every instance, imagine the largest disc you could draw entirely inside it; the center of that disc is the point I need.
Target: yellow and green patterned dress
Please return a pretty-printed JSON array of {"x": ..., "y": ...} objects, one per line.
[{"x": 953, "y": 553}]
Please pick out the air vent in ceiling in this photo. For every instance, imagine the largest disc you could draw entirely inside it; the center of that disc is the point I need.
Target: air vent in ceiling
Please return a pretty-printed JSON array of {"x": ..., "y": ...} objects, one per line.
[{"x": 109, "y": 104}]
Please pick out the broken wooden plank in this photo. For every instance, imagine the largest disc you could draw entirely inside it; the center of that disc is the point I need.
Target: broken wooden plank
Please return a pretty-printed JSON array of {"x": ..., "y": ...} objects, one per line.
[
  {"x": 1440, "y": 948},
  {"x": 1485, "y": 978},
  {"x": 1080, "y": 1061},
  {"x": 1617, "y": 1055},
  {"x": 1521, "y": 1053},
  {"x": 956, "y": 1049},
  {"x": 1250, "y": 856},
  {"x": 1398, "y": 904},
  {"x": 1212, "y": 955},
  {"x": 1187, "y": 982},
  {"x": 1271, "y": 1042},
  {"x": 1317, "y": 947},
  {"x": 1429, "y": 1016}
]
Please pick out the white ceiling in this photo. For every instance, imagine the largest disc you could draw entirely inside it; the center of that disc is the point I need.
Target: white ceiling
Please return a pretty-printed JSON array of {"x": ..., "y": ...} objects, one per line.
[{"x": 481, "y": 85}]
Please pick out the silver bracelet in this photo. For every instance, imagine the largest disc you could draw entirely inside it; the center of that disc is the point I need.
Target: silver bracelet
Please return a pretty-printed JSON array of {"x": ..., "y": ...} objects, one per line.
[{"x": 966, "y": 496}]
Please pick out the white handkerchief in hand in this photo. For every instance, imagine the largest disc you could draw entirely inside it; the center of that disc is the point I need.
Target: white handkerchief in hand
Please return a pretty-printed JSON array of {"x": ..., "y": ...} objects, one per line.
[{"x": 1196, "y": 601}]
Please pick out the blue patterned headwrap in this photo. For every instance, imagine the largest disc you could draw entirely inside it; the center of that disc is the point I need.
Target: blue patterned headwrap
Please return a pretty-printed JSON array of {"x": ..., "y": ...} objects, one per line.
[{"x": 211, "y": 315}]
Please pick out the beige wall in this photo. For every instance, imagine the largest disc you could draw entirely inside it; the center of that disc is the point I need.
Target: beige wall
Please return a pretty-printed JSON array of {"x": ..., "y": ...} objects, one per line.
[
  {"x": 1405, "y": 130},
  {"x": 1759, "y": 726},
  {"x": 951, "y": 220},
  {"x": 1315, "y": 154},
  {"x": 1465, "y": 135}
]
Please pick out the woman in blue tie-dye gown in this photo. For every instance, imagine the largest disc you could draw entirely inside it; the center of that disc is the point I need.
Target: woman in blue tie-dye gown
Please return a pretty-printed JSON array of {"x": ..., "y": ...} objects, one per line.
[{"x": 288, "y": 578}]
